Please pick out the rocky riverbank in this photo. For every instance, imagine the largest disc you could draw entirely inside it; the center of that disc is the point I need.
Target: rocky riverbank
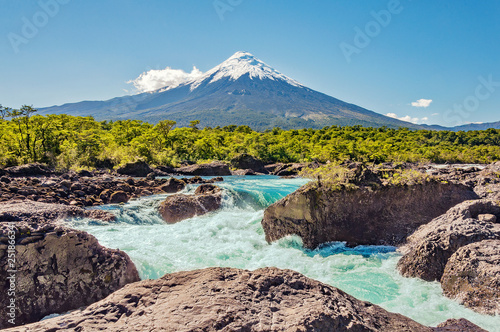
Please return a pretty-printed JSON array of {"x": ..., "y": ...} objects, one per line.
[
  {"x": 86, "y": 188},
  {"x": 385, "y": 211}
]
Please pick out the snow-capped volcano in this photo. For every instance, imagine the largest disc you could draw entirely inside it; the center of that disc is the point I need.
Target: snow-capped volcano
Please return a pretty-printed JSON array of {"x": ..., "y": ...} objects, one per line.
[
  {"x": 242, "y": 90},
  {"x": 242, "y": 63}
]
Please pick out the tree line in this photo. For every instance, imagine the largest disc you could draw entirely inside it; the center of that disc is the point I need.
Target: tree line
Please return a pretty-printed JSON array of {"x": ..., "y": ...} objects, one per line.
[{"x": 66, "y": 141}]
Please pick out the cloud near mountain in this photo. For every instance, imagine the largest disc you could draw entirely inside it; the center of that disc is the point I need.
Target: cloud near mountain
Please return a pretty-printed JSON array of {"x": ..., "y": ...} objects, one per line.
[{"x": 167, "y": 78}]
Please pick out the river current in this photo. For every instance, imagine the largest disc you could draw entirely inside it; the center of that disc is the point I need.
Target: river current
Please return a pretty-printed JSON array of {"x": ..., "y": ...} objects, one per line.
[{"x": 233, "y": 237}]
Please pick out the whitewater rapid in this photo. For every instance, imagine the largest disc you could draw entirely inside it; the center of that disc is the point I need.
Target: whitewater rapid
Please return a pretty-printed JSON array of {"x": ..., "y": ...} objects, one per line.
[{"x": 233, "y": 237}]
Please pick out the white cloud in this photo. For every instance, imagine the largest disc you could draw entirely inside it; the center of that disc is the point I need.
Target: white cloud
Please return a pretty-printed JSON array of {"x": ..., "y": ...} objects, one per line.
[
  {"x": 407, "y": 118},
  {"x": 422, "y": 103},
  {"x": 434, "y": 114},
  {"x": 163, "y": 78}
]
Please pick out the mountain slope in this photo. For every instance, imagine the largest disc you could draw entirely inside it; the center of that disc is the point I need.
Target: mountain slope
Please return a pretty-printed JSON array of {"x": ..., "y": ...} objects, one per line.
[{"x": 242, "y": 90}]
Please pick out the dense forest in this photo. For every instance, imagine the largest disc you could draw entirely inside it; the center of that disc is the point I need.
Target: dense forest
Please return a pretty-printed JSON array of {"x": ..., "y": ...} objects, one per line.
[{"x": 66, "y": 141}]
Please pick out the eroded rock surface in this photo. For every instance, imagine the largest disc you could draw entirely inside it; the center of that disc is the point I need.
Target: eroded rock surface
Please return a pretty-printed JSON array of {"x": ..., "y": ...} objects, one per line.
[
  {"x": 472, "y": 276},
  {"x": 383, "y": 216},
  {"x": 227, "y": 299},
  {"x": 428, "y": 249},
  {"x": 58, "y": 269}
]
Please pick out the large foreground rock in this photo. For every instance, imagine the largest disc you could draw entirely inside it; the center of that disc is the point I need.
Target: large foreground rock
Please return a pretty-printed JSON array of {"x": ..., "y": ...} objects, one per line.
[
  {"x": 227, "y": 299},
  {"x": 427, "y": 250},
  {"x": 383, "y": 216},
  {"x": 32, "y": 211},
  {"x": 178, "y": 207},
  {"x": 472, "y": 276},
  {"x": 57, "y": 269},
  {"x": 215, "y": 168}
]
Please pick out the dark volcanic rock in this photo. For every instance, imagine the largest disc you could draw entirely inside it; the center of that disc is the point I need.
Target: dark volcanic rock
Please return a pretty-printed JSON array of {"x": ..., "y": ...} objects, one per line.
[
  {"x": 173, "y": 185},
  {"x": 58, "y": 269},
  {"x": 118, "y": 197},
  {"x": 228, "y": 299},
  {"x": 85, "y": 173},
  {"x": 386, "y": 215},
  {"x": 178, "y": 207},
  {"x": 291, "y": 169},
  {"x": 138, "y": 169},
  {"x": 428, "y": 249},
  {"x": 207, "y": 189},
  {"x": 70, "y": 189},
  {"x": 35, "y": 169},
  {"x": 472, "y": 276},
  {"x": 31, "y": 211},
  {"x": 215, "y": 168},
  {"x": 246, "y": 161},
  {"x": 458, "y": 325},
  {"x": 165, "y": 169}
]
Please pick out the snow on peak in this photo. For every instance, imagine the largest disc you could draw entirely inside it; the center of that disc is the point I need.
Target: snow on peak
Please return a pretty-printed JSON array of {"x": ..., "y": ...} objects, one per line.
[{"x": 239, "y": 64}]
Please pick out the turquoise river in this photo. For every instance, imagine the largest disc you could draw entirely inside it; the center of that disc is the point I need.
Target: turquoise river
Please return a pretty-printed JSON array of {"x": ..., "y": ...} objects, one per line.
[{"x": 233, "y": 237}]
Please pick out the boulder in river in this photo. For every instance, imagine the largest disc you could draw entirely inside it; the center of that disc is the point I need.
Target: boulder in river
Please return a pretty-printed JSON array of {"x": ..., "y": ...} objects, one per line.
[
  {"x": 178, "y": 207},
  {"x": 472, "y": 276},
  {"x": 118, "y": 197},
  {"x": 365, "y": 216},
  {"x": 428, "y": 249},
  {"x": 173, "y": 185},
  {"x": 228, "y": 299},
  {"x": 57, "y": 269}
]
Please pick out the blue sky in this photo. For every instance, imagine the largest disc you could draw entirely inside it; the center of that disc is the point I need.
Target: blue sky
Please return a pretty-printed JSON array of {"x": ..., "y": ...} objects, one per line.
[{"x": 444, "y": 51}]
